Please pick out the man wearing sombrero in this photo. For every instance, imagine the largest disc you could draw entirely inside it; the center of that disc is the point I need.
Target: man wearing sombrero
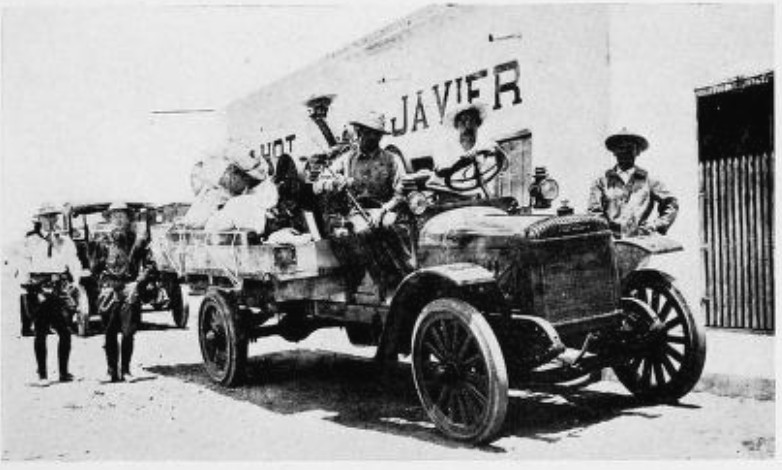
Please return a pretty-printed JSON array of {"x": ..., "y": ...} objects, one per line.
[
  {"x": 373, "y": 178},
  {"x": 626, "y": 194}
]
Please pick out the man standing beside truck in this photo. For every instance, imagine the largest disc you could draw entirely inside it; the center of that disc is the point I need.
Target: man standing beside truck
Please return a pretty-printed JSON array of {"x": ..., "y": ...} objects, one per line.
[
  {"x": 50, "y": 265},
  {"x": 626, "y": 194},
  {"x": 125, "y": 264}
]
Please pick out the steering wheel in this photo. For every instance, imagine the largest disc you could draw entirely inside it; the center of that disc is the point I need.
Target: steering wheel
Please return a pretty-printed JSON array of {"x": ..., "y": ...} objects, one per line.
[{"x": 469, "y": 173}]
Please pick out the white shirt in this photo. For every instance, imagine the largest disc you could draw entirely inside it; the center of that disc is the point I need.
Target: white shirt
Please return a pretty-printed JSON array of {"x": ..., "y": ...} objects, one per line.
[
  {"x": 39, "y": 259},
  {"x": 625, "y": 175}
]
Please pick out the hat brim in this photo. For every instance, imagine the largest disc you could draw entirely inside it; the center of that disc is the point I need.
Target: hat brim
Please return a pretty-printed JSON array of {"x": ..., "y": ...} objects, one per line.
[
  {"x": 366, "y": 126},
  {"x": 617, "y": 139},
  {"x": 480, "y": 108}
]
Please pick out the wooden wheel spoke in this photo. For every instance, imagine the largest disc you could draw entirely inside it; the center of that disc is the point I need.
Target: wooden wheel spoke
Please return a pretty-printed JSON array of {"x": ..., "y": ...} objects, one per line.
[
  {"x": 655, "y": 301},
  {"x": 455, "y": 337},
  {"x": 671, "y": 352},
  {"x": 478, "y": 395},
  {"x": 634, "y": 363},
  {"x": 474, "y": 405},
  {"x": 669, "y": 367},
  {"x": 452, "y": 406},
  {"x": 646, "y": 375},
  {"x": 434, "y": 350},
  {"x": 465, "y": 346},
  {"x": 471, "y": 360},
  {"x": 676, "y": 339},
  {"x": 672, "y": 324},
  {"x": 438, "y": 340},
  {"x": 446, "y": 339},
  {"x": 442, "y": 398},
  {"x": 659, "y": 377},
  {"x": 663, "y": 314},
  {"x": 462, "y": 407}
]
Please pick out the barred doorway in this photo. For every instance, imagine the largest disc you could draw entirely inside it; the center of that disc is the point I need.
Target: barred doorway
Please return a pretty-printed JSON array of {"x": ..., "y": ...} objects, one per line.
[{"x": 736, "y": 162}]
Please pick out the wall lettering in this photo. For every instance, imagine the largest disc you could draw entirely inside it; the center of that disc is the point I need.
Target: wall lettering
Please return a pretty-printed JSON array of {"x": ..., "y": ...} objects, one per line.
[{"x": 506, "y": 81}]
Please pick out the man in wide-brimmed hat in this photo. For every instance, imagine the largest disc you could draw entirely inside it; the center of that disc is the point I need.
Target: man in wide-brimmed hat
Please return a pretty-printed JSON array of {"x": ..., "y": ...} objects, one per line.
[
  {"x": 372, "y": 173},
  {"x": 125, "y": 265},
  {"x": 373, "y": 176},
  {"x": 466, "y": 118},
  {"x": 51, "y": 263},
  {"x": 626, "y": 194}
]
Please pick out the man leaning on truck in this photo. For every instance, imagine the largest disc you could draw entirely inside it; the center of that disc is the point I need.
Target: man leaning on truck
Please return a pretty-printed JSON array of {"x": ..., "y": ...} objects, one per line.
[{"x": 626, "y": 194}]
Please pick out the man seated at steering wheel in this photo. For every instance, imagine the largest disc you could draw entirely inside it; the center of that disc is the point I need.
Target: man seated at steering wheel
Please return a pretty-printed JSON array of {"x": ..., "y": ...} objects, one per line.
[{"x": 462, "y": 160}]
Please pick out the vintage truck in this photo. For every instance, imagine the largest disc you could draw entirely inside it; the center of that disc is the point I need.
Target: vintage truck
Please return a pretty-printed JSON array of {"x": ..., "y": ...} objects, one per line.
[{"x": 499, "y": 297}]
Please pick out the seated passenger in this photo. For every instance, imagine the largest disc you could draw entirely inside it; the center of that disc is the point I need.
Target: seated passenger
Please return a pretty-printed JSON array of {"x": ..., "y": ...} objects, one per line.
[
  {"x": 295, "y": 196},
  {"x": 249, "y": 210}
]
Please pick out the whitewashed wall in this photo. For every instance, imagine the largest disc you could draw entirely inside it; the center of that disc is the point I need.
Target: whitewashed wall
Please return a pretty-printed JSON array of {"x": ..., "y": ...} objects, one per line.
[
  {"x": 659, "y": 55},
  {"x": 563, "y": 89},
  {"x": 584, "y": 71}
]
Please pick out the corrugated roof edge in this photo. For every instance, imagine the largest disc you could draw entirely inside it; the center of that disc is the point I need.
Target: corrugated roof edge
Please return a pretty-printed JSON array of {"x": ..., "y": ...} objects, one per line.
[{"x": 413, "y": 21}]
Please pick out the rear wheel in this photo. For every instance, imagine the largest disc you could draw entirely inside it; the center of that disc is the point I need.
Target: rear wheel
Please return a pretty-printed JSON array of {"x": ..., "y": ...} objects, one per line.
[
  {"x": 459, "y": 371},
  {"x": 673, "y": 363},
  {"x": 223, "y": 338}
]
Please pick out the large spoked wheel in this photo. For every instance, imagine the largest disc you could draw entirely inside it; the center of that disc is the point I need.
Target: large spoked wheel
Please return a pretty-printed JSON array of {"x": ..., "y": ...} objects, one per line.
[
  {"x": 222, "y": 338},
  {"x": 673, "y": 363},
  {"x": 459, "y": 371},
  {"x": 179, "y": 303}
]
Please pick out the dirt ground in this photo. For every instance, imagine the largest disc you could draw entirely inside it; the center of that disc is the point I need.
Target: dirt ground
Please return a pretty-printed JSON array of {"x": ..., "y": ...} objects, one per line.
[{"x": 322, "y": 399}]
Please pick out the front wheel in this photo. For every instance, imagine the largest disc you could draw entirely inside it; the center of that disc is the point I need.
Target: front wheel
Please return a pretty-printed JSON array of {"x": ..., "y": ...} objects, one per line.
[
  {"x": 223, "y": 338},
  {"x": 673, "y": 362},
  {"x": 459, "y": 371}
]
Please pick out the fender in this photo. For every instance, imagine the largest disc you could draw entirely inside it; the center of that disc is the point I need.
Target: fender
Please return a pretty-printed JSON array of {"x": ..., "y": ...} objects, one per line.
[
  {"x": 465, "y": 281},
  {"x": 634, "y": 253}
]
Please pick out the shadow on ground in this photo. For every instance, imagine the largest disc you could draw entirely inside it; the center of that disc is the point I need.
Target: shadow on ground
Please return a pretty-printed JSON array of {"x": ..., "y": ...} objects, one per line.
[{"x": 352, "y": 391}]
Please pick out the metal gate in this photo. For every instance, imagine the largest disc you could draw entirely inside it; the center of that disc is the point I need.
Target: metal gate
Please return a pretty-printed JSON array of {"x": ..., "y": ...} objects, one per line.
[{"x": 737, "y": 228}]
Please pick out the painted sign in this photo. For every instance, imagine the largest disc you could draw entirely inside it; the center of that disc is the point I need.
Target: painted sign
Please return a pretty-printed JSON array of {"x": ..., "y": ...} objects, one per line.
[{"x": 413, "y": 116}]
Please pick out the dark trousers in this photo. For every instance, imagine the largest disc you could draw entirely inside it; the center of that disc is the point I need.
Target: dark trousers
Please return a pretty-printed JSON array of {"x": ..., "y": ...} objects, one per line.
[
  {"x": 120, "y": 309},
  {"x": 380, "y": 250},
  {"x": 49, "y": 311}
]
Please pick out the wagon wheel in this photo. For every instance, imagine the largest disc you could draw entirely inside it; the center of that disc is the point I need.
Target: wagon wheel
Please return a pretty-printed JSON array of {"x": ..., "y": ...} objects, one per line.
[
  {"x": 179, "y": 303},
  {"x": 223, "y": 339},
  {"x": 459, "y": 371},
  {"x": 672, "y": 364}
]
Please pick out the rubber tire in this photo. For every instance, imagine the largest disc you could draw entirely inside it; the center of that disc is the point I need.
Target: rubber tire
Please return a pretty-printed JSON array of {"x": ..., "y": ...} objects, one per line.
[
  {"x": 694, "y": 355},
  {"x": 493, "y": 361},
  {"x": 179, "y": 303},
  {"x": 236, "y": 338}
]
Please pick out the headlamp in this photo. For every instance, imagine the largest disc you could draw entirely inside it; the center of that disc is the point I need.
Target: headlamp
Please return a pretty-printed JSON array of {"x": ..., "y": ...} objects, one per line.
[
  {"x": 418, "y": 202},
  {"x": 543, "y": 189}
]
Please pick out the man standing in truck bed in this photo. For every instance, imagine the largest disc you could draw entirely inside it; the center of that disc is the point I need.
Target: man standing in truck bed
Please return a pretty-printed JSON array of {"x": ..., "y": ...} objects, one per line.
[{"x": 373, "y": 176}]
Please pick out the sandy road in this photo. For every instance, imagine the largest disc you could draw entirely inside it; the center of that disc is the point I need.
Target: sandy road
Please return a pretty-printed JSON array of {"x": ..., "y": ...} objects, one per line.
[{"x": 322, "y": 399}]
